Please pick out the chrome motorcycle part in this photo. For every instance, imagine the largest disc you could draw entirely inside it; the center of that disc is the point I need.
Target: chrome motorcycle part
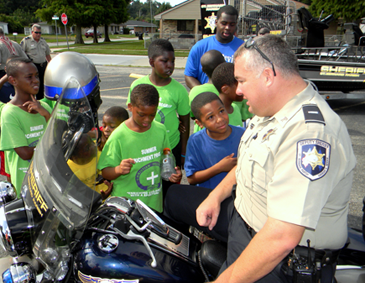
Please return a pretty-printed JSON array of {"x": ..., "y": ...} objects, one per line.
[
  {"x": 122, "y": 204},
  {"x": 19, "y": 273},
  {"x": 14, "y": 236},
  {"x": 7, "y": 192},
  {"x": 150, "y": 216},
  {"x": 108, "y": 243}
]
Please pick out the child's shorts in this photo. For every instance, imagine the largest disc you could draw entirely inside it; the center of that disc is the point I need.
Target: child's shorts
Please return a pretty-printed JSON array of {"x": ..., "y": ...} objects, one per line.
[{"x": 2, "y": 165}]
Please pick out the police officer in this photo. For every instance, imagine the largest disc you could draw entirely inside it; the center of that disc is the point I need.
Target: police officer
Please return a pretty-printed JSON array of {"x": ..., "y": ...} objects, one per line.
[
  {"x": 293, "y": 176},
  {"x": 39, "y": 52}
]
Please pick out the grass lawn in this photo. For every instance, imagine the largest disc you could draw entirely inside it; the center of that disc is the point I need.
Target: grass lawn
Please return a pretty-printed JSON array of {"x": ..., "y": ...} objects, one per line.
[
  {"x": 71, "y": 38},
  {"x": 127, "y": 47}
]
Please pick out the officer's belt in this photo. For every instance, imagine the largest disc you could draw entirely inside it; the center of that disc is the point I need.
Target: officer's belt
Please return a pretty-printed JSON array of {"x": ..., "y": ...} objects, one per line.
[{"x": 44, "y": 64}]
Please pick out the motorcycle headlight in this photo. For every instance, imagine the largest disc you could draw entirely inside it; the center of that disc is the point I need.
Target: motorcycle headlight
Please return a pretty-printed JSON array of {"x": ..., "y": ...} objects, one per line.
[
  {"x": 19, "y": 273},
  {"x": 7, "y": 192},
  {"x": 6, "y": 241}
]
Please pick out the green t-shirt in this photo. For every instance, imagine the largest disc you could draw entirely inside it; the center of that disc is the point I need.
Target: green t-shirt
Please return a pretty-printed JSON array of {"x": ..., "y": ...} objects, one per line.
[
  {"x": 235, "y": 118},
  {"x": 244, "y": 109},
  {"x": 19, "y": 128},
  {"x": 174, "y": 99},
  {"x": 199, "y": 89},
  {"x": 144, "y": 180}
]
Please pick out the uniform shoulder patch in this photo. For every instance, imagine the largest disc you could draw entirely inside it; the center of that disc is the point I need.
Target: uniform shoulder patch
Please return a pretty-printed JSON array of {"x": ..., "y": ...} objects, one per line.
[
  {"x": 312, "y": 114},
  {"x": 313, "y": 158}
]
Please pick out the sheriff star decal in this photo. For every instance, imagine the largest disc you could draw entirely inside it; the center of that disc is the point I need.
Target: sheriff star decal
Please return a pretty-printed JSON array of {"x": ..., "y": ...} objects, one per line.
[
  {"x": 211, "y": 22},
  {"x": 313, "y": 158}
]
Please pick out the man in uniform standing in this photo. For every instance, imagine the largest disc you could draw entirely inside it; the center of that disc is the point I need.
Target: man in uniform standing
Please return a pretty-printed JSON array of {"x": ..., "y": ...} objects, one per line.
[
  {"x": 293, "y": 176},
  {"x": 39, "y": 52}
]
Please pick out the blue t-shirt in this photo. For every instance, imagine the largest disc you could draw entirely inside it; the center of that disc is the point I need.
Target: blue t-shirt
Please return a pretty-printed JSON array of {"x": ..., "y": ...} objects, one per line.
[
  {"x": 203, "y": 152},
  {"x": 7, "y": 92},
  {"x": 193, "y": 68}
]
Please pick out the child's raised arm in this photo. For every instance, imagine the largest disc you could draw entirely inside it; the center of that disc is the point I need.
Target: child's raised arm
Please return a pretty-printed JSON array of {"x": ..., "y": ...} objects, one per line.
[
  {"x": 225, "y": 165},
  {"x": 124, "y": 168},
  {"x": 36, "y": 106}
]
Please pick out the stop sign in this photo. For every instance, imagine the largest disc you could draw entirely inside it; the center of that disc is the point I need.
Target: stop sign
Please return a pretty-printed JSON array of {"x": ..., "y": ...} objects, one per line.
[{"x": 64, "y": 18}]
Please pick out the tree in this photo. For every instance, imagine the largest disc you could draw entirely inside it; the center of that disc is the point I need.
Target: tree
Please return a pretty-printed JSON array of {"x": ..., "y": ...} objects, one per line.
[
  {"x": 115, "y": 12},
  {"x": 83, "y": 13},
  {"x": 349, "y": 10}
]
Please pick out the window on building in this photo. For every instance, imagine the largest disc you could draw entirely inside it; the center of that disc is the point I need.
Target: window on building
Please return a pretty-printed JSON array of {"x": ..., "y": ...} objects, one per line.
[{"x": 183, "y": 25}]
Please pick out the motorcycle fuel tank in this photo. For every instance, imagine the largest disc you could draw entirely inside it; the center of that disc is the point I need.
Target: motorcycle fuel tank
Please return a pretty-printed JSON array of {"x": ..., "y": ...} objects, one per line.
[{"x": 111, "y": 258}]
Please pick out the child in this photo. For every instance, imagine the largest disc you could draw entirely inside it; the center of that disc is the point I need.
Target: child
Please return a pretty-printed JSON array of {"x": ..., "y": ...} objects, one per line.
[
  {"x": 174, "y": 97},
  {"x": 112, "y": 118},
  {"x": 133, "y": 153},
  {"x": 209, "y": 61},
  {"x": 23, "y": 119},
  {"x": 212, "y": 152},
  {"x": 223, "y": 79},
  {"x": 83, "y": 163}
]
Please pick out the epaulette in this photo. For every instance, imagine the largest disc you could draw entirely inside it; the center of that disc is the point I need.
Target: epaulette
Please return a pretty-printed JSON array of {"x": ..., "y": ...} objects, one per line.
[
  {"x": 28, "y": 37},
  {"x": 312, "y": 114}
]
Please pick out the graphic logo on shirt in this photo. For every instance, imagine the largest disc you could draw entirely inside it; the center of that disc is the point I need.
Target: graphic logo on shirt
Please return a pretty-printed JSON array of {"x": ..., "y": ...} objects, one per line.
[
  {"x": 162, "y": 116},
  {"x": 148, "y": 178},
  {"x": 211, "y": 22},
  {"x": 313, "y": 158}
]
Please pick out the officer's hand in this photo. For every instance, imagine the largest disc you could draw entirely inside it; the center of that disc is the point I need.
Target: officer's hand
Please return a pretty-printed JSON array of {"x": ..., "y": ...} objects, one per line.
[
  {"x": 227, "y": 163},
  {"x": 125, "y": 166},
  {"x": 207, "y": 213}
]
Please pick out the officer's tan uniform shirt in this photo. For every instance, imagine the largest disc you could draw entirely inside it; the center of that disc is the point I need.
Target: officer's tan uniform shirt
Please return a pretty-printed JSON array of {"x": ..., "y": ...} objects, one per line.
[
  {"x": 297, "y": 172},
  {"x": 36, "y": 51},
  {"x": 5, "y": 53}
]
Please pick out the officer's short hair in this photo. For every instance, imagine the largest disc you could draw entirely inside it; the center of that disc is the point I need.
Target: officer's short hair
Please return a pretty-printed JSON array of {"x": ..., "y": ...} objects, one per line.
[
  {"x": 200, "y": 100},
  {"x": 117, "y": 112},
  {"x": 276, "y": 49},
  {"x": 37, "y": 26},
  {"x": 12, "y": 66},
  {"x": 144, "y": 95},
  {"x": 227, "y": 9},
  {"x": 158, "y": 47},
  {"x": 223, "y": 75}
]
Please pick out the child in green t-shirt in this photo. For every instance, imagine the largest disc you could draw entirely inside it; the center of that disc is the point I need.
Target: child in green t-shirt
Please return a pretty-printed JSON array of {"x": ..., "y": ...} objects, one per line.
[
  {"x": 132, "y": 155},
  {"x": 209, "y": 61},
  {"x": 23, "y": 119},
  {"x": 223, "y": 79},
  {"x": 173, "y": 107}
]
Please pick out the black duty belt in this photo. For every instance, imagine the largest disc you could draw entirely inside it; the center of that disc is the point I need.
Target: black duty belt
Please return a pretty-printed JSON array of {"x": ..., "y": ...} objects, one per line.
[{"x": 44, "y": 64}]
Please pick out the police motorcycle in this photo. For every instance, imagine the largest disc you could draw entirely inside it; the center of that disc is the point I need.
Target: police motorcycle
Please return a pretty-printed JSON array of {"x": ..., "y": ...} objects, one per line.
[{"x": 60, "y": 230}]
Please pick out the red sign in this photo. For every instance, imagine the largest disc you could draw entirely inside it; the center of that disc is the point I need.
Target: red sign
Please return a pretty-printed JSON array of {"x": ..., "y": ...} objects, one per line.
[{"x": 64, "y": 18}]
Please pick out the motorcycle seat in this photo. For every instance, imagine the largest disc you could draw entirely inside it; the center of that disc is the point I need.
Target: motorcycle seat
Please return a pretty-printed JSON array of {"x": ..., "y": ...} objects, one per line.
[{"x": 212, "y": 256}]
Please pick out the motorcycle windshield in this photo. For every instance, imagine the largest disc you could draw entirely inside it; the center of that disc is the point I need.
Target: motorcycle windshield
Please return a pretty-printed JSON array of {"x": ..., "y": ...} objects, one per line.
[{"x": 59, "y": 188}]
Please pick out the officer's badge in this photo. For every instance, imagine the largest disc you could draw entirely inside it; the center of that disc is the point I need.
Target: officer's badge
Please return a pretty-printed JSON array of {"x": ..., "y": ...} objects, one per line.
[{"x": 313, "y": 158}]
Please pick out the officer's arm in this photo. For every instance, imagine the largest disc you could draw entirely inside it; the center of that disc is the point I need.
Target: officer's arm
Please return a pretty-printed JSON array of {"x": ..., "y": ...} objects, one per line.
[
  {"x": 267, "y": 248},
  {"x": 48, "y": 58},
  {"x": 208, "y": 211},
  {"x": 191, "y": 81}
]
